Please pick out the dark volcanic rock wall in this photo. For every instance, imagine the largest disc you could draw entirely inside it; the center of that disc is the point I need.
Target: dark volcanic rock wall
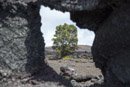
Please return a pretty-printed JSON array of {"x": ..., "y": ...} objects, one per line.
[
  {"x": 74, "y": 5},
  {"x": 90, "y": 19},
  {"x": 13, "y": 33},
  {"x": 21, "y": 42},
  {"x": 111, "y": 48},
  {"x": 34, "y": 41}
]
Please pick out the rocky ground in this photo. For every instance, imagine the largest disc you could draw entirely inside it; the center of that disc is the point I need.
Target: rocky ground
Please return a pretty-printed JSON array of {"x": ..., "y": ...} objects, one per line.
[
  {"x": 83, "y": 67},
  {"x": 81, "y": 61},
  {"x": 51, "y": 75}
]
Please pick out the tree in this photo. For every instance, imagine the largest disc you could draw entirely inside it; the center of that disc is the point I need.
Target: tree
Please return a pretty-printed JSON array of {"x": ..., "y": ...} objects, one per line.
[{"x": 65, "y": 40}]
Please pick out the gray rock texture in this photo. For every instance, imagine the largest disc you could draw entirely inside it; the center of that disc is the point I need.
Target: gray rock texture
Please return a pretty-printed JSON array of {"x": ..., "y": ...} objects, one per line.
[
  {"x": 22, "y": 45},
  {"x": 21, "y": 42},
  {"x": 74, "y": 5}
]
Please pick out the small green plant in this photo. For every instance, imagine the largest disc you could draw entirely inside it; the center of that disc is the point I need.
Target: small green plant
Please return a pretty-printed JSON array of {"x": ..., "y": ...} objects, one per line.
[{"x": 67, "y": 57}]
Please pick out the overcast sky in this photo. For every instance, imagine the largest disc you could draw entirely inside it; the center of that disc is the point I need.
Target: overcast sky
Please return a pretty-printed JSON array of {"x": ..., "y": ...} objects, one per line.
[{"x": 52, "y": 18}]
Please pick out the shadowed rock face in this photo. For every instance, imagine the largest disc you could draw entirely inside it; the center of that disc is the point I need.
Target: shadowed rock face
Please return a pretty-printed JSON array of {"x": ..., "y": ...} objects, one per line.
[
  {"x": 112, "y": 45},
  {"x": 22, "y": 45},
  {"x": 111, "y": 42},
  {"x": 74, "y": 5}
]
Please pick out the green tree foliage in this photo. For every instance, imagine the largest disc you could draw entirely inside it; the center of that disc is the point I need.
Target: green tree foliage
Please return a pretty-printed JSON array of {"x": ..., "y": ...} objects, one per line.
[{"x": 65, "y": 40}]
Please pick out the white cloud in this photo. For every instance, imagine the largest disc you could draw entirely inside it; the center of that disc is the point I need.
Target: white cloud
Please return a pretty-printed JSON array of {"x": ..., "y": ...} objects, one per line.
[{"x": 52, "y": 18}]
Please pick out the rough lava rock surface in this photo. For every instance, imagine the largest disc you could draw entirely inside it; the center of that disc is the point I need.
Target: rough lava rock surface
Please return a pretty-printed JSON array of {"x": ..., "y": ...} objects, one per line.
[
  {"x": 21, "y": 42},
  {"x": 22, "y": 45}
]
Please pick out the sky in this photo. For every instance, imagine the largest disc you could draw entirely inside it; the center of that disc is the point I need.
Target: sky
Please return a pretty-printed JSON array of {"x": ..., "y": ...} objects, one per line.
[{"x": 52, "y": 18}]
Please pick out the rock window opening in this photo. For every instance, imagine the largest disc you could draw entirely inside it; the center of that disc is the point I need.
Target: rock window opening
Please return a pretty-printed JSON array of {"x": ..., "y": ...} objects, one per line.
[{"x": 81, "y": 58}]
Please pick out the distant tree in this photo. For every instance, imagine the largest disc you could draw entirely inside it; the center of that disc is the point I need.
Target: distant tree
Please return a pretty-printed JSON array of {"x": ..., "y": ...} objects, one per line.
[{"x": 65, "y": 40}]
